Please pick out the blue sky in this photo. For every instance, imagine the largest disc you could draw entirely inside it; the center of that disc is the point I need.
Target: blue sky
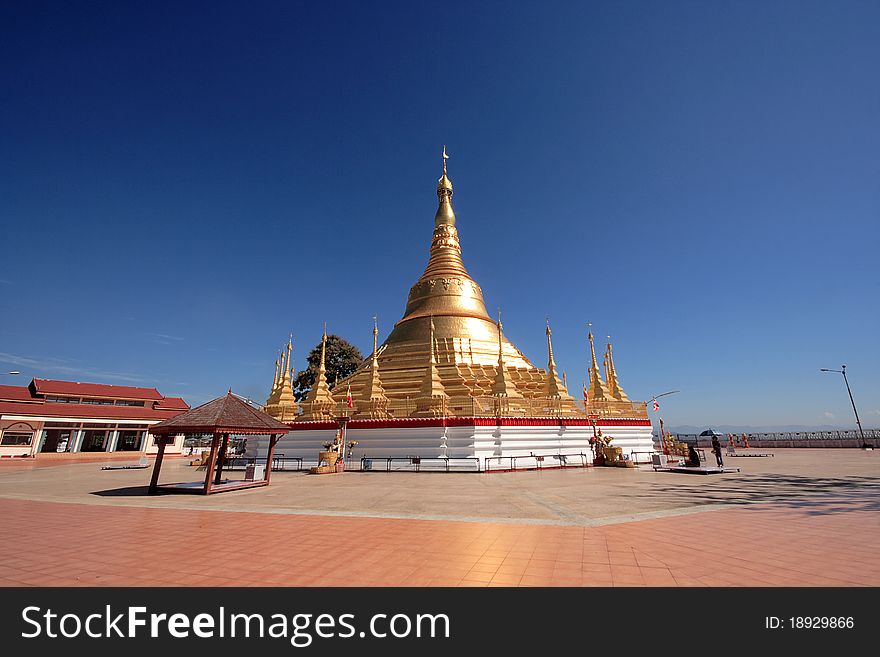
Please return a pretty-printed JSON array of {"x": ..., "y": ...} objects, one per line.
[{"x": 183, "y": 184}]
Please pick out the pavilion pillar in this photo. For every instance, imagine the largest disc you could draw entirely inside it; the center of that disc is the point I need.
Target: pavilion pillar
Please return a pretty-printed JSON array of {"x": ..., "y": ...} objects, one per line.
[
  {"x": 157, "y": 466},
  {"x": 209, "y": 466},
  {"x": 221, "y": 458},
  {"x": 273, "y": 440}
]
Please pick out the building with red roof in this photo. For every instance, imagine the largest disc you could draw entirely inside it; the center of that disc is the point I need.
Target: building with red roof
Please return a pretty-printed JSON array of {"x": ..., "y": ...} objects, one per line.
[{"x": 49, "y": 416}]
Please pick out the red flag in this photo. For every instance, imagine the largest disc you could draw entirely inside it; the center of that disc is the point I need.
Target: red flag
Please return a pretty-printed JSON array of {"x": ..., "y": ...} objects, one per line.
[
  {"x": 585, "y": 393},
  {"x": 656, "y": 406},
  {"x": 348, "y": 397}
]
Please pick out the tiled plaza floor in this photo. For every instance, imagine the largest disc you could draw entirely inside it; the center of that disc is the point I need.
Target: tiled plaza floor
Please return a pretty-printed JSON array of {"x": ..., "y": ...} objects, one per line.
[{"x": 58, "y": 544}]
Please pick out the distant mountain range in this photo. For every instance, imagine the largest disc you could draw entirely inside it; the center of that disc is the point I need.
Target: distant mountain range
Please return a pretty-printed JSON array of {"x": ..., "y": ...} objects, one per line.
[{"x": 742, "y": 428}]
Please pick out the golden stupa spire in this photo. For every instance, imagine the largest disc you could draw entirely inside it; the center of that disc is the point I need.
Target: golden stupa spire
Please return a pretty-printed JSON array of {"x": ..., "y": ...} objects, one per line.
[
  {"x": 611, "y": 376},
  {"x": 281, "y": 403},
  {"x": 288, "y": 409},
  {"x": 504, "y": 386},
  {"x": 319, "y": 401},
  {"x": 554, "y": 389},
  {"x": 431, "y": 384},
  {"x": 276, "y": 380},
  {"x": 598, "y": 390},
  {"x": 372, "y": 402},
  {"x": 432, "y": 398},
  {"x": 288, "y": 368}
]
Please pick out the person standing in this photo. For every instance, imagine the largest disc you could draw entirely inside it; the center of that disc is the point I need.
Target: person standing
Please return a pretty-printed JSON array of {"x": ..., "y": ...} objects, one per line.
[{"x": 716, "y": 447}]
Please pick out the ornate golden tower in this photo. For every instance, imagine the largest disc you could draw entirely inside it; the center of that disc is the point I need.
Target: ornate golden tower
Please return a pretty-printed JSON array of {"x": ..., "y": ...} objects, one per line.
[
  {"x": 446, "y": 356},
  {"x": 598, "y": 389},
  {"x": 319, "y": 403},
  {"x": 611, "y": 375},
  {"x": 432, "y": 398},
  {"x": 372, "y": 402},
  {"x": 281, "y": 403}
]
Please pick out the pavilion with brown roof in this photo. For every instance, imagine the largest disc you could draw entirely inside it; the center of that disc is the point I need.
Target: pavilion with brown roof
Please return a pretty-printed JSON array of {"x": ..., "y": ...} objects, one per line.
[{"x": 222, "y": 417}]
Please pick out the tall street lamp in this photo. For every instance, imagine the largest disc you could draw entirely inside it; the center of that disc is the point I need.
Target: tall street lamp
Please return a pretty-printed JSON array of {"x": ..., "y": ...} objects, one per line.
[
  {"x": 842, "y": 370},
  {"x": 657, "y": 410}
]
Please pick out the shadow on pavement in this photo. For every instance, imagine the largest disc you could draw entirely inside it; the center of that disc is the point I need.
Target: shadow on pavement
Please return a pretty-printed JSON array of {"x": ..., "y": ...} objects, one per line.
[
  {"x": 129, "y": 491},
  {"x": 816, "y": 495}
]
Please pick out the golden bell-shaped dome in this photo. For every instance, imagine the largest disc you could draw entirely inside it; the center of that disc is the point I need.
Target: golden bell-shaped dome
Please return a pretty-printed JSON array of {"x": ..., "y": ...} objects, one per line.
[{"x": 446, "y": 292}]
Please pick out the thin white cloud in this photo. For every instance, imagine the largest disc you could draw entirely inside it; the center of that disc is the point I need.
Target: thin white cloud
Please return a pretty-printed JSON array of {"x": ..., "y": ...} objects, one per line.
[
  {"x": 67, "y": 368},
  {"x": 164, "y": 338},
  {"x": 829, "y": 415}
]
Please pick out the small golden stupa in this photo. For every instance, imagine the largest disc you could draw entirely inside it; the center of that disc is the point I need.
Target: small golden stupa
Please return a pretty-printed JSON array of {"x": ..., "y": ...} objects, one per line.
[{"x": 281, "y": 403}]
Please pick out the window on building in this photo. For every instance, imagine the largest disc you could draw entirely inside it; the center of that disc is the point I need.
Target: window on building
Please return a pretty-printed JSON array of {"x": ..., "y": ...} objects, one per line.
[
  {"x": 17, "y": 438},
  {"x": 98, "y": 402},
  {"x": 129, "y": 441},
  {"x": 128, "y": 402},
  {"x": 94, "y": 441},
  {"x": 63, "y": 400}
]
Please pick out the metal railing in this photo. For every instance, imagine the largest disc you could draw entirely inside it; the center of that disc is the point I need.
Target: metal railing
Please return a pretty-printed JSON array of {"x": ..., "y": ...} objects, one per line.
[
  {"x": 279, "y": 462},
  {"x": 538, "y": 462},
  {"x": 415, "y": 463},
  {"x": 847, "y": 438},
  {"x": 633, "y": 454}
]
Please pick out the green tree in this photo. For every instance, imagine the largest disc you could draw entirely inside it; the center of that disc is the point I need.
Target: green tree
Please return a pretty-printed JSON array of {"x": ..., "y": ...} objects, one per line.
[{"x": 341, "y": 359}]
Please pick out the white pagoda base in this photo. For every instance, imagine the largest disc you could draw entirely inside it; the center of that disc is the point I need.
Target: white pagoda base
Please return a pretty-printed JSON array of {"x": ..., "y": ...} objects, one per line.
[{"x": 462, "y": 438}]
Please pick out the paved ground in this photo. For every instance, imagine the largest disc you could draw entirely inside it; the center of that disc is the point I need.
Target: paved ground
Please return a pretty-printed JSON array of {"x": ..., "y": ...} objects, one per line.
[{"x": 805, "y": 517}]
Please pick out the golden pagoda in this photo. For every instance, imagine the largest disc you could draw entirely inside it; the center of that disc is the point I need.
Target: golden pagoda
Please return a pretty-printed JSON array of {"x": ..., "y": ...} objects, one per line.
[
  {"x": 611, "y": 375},
  {"x": 447, "y": 384},
  {"x": 319, "y": 403},
  {"x": 446, "y": 356},
  {"x": 373, "y": 403},
  {"x": 607, "y": 398},
  {"x": 281, "y": 403}
]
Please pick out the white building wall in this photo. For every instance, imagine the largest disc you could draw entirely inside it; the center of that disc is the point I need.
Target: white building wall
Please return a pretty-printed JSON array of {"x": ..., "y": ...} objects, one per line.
[{"x": 456, "y": 442}]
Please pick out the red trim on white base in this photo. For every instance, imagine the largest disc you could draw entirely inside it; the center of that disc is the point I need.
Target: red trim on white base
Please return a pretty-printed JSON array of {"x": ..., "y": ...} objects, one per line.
[{"x": 411, "y": 423}]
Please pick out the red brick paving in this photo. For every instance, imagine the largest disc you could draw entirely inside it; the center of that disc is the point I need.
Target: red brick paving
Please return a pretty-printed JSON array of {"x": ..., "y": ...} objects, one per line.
[{"x": 52, "y": 544}]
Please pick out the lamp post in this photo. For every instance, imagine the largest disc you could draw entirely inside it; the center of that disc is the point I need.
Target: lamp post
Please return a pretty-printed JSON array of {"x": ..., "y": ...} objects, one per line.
[
  {"x": 657, "y": 406},
  {"x": 842, "y": 370}
]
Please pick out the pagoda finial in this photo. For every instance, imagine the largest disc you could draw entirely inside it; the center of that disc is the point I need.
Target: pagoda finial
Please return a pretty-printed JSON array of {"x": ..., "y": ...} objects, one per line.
[
  {"x": 592, "y": 348},
  {"x": 288, "y": 372},
  {"x": 445, "y": 214},
  {"x": 551, "y": 362}
]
